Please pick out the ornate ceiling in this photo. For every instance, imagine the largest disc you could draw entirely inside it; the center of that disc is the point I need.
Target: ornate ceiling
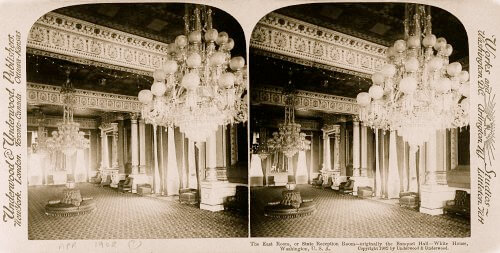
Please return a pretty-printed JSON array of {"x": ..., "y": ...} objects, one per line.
[
  {"x": 377, "y": 22},
  {"x": 160, "y": 22},
  {"x": 157, "y": 21},
  {"x": 380, "y": 23}
]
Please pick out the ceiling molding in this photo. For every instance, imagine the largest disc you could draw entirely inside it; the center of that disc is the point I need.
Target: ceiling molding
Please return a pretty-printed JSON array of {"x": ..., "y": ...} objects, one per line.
[
  {"x": 283, "y": 35},
  {"x": 305, "y": 124},
  {"x": 78, "y": 60},
  {"x": 305, "y": 100},
  {"x": 332, "y": 25},
  {"x": 77, "y": 39},
  {"x": 40, "y": 94},
  {"x": 309, "y": 63},
  {"x": 94, "y": 19},
  {"x": 54, "y": 121}
]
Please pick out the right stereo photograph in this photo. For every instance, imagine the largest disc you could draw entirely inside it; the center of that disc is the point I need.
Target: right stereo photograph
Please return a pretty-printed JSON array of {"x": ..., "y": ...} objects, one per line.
[{"x": 359, "y": 122}]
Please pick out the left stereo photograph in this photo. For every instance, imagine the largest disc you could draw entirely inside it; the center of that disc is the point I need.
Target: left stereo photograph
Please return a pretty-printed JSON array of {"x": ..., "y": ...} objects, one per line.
[{"x": 137, "y": 123}]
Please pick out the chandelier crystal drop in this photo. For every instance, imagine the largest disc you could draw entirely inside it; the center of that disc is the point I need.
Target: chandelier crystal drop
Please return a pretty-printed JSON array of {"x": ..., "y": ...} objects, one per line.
[
  {"x": 199, "y": 87},
  {"x": 418, "y": 91},
  {"x": 288, "y": 140},
  {"x": 68, "y": 138}
]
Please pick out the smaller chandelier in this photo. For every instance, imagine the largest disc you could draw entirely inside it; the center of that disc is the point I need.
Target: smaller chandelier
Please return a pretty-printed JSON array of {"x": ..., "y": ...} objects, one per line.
[
  {"x": 68, "y": 138},
  {"x": 288, "y": 140},
  {"x": 418, "y": 91}
]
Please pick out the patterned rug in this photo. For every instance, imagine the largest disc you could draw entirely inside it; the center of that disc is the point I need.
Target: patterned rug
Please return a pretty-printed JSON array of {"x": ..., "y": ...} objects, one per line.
[
  {"x": 346, "y": 216},
  {"x": 128, "y": 216}
]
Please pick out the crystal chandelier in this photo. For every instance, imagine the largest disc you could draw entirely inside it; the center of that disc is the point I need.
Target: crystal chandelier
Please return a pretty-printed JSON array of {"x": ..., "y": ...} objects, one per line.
[
  {"x": 67, "y": 139},
  {"x": 40, "y": 144},
  {"x": 199, "y": 87},
  {"x": 418, "y": 91},
  {"x": 288, "y": 140}
]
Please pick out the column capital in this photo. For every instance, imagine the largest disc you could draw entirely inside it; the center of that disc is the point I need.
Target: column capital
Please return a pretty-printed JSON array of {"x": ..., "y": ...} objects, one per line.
[
  {"x": 114, "y": 125},
  {"x": 134, "y": 116},
  {"x": 329, "y": 129},
  {"x": 355, "y": 118}
]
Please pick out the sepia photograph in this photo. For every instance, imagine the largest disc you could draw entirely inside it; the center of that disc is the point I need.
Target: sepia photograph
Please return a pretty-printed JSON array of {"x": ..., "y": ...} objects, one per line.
[
  {"x": 136, "y": 123},
  {"x": 359, "y": 122},
  {"x": 249, "y": 126}
]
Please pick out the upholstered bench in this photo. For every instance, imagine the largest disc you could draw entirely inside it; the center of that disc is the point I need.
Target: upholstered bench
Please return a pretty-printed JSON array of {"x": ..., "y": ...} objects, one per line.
[
  {"x": 126, "y": 184},
  {"x": 317, "y": 182},
  {"x": 96, "y": 179},
  {"x": 292, "y": 205},
  {"x": 57, "y": 208},
  {"x": 346, "y": 187},
  {"x": 459, "y": 205},
  {"x": 144, "y": 189},
  {"x": 365, "y": 192},
  {"x": 409, "y": 200},
  {"x": 71, "y": 204},
  {"x": 188, "y": 196},
  {"x": 238, "y": 202}
]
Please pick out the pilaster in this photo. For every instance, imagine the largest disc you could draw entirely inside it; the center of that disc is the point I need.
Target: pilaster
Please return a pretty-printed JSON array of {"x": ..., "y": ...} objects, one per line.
[
  {"x": 134, "y": 145},
  {"x": 355, "y": 148}
]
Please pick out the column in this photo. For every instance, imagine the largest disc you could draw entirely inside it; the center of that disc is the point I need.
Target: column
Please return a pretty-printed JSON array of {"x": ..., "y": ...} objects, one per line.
[
  {"x": 326, "y": 153},
  {"x": 378, "y": 177},
  {"x": 430, "y": 160},
  {"x": 89, "y": 161},
  {"x": 327, "y": 160},
  {"x": 405, "y": 167},
  {"x": 120, "y": 141},
  {"x": 213, "y": 191},
  {"x": 364, "y": 151},
  {"x": 192, "y": 180},
  {"x": 301, "y": 173},
  {"x": 412, "y": 175},
  {"x": 221, "y": 147},
  {"x": 114, "y": 154},
  {"x": 211, "y": 150},
  {"x": 138, "y": 150},
  {"x": 421, "y": 165},
  {"x": 336, "y": 153},
  {"x": 441, "y": 156},
  {"x": 104, "y": 151},
  {"x": 355, "y": 148},
  {"x": 309, "y": 177},
  {"x": 142, "y": 147},
  {"x": 255, "y": 173},
  {"x": 172, "y": 170},
  {"x": 162, "y": 158},
  {"x": 453, "y": 148},
  {"x": 336, "y": 162},
  {"x": 233, "y": 137},
  {"x": 393, "y": 187},
  {"x": 184, "y": 168},
  {"x": 134, "y": 145},
  {"x": 156, "y": 178},
  {"x": 435, "y": 191},
  {"x": 202, "y": 159}
]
